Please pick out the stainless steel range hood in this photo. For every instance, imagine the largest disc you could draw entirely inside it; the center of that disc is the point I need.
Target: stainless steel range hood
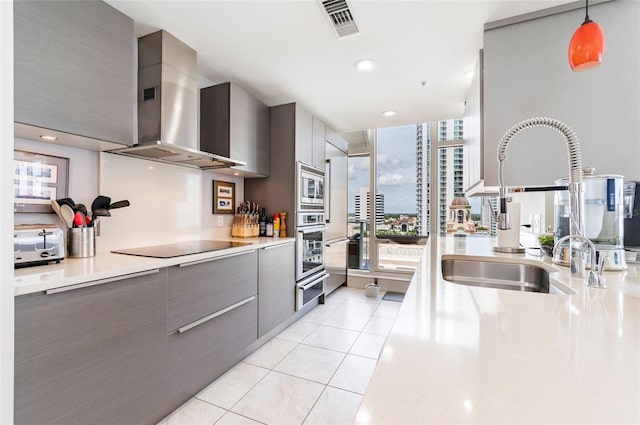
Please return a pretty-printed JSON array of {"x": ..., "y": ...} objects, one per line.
[{"x": 168, "y": 105}]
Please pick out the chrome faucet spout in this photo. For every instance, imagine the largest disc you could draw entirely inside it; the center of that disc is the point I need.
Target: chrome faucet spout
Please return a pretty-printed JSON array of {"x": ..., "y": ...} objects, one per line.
[
  {"x": 595, "y": 279},
  {"x": 575, "y": 170}
]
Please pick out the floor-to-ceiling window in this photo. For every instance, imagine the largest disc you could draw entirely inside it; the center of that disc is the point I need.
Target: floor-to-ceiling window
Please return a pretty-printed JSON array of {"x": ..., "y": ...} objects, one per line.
[
  {"x": 358, "y": 215},
  {"x": 399, "y": 187},
  {"x": 399, "y": 209}
]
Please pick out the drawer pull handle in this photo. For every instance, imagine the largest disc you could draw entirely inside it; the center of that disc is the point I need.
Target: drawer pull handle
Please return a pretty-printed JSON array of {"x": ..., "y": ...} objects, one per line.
[
  {"x": 216, "y": 314},
  {"x": 330, "y": 245},
  {"x": 193, "y": 263},
  {"x": 266, "y": 248},
  {"x": 99, "y": 282}
]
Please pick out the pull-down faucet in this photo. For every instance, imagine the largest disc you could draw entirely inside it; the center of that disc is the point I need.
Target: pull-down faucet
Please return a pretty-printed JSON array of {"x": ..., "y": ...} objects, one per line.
[{"x": 576, "y": 201}]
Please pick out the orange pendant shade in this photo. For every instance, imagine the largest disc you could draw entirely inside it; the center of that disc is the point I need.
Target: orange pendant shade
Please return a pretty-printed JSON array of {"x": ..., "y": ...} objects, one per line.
[{"x": 586, "y": 48}]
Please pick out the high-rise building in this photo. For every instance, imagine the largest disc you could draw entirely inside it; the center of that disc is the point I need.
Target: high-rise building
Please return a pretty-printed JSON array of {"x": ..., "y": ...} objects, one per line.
[
  {"x": 450, "y": 179},
  {"x": 423, "y": 173},
  {"x": 363, "y": 203}
]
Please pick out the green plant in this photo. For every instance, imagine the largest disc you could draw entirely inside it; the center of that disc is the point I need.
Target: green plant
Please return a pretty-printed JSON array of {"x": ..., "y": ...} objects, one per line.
[{"x": 546, "y": 240}]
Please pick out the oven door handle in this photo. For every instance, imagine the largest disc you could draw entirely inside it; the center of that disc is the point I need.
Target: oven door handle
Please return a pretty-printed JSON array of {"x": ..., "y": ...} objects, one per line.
[
  {"x": 313, "y": 280},
  {"x": 312, "y": 229}
]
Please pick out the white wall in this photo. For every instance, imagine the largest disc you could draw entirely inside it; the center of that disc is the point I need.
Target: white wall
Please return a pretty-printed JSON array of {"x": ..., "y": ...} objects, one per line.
[
  {"x": 169, "y": 203},
  {"x": 527, "y": 74},
  {"x": 6, "y": 211},
  {"x": 83, "y": 176}
]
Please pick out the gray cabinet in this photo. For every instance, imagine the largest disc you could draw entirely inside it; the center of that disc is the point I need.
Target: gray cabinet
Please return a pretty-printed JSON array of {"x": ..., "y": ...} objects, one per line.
[
  {"x": 317, "y": 143},
  {"x": 92, "y": 354},
  {"x": 291, "y": 140},
  {"x": 74, "y": 69},
  {"x": 309, "y": 137},
  {"x": 276, "y": 286},
  {"x": 200, "y": 354},
  {"x": 303, "y": 122},
  {"x": 213, "y": 317},
  {"x": 336, "y": 193},
  {"x": 473, "y": 145},
  {"x": 200, "y": 288},
  {"x": 234, "y": 124}
]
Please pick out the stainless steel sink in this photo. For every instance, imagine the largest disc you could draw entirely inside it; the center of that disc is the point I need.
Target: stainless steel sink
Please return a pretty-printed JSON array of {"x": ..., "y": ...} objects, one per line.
[{"x": 501, "y": 275}]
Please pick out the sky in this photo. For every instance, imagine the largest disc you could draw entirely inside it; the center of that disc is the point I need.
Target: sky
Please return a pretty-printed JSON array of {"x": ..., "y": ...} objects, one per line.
[{"x": 396, "y": 170}]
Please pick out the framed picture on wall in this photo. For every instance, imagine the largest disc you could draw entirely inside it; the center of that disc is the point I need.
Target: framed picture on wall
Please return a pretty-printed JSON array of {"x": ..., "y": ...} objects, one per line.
[
  {"x": 37, "y": 179},
  {"x": 224, "y": 197}
]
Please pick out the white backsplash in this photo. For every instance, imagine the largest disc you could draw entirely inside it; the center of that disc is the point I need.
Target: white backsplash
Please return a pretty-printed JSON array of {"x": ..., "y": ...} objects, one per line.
[
  {"x": 169, "y": 203},
  {"x": 83, "y": 177}
]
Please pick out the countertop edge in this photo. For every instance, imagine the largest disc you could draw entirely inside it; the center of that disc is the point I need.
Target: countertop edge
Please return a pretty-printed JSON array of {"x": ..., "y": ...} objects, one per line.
[{"x": 72, "y": 271}]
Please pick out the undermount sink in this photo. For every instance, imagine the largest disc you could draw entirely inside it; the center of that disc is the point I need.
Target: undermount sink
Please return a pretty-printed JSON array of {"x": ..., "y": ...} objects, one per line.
[{"x": 500, "y": 275}]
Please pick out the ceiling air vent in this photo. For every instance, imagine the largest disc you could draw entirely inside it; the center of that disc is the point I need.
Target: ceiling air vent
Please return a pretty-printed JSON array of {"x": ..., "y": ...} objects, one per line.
[{"x": 340, "y": 17}]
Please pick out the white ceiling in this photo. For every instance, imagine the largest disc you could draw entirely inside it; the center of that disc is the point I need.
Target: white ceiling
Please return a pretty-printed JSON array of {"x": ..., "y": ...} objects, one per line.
[{"x": 286, "y": 51}]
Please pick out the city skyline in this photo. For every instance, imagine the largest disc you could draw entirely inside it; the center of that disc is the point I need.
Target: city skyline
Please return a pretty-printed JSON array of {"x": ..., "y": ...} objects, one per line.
[{"x": 396, "y": 165}]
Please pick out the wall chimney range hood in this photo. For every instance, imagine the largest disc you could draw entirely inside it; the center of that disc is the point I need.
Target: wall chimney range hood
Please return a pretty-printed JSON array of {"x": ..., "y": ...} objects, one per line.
[{"x": 168, "y": 105}]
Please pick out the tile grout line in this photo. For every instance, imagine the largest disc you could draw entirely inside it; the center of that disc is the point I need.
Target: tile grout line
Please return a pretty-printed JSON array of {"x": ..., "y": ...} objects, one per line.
[{"x": 298, "y": 343}]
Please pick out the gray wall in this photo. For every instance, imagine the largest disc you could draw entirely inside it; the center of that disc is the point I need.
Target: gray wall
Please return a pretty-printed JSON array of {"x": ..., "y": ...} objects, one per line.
[{"x": 527, "y": 74}]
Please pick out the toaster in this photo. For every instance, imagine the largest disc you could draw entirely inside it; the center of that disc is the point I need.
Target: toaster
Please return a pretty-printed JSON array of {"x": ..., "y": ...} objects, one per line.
[{"x": 36, "y": 244}]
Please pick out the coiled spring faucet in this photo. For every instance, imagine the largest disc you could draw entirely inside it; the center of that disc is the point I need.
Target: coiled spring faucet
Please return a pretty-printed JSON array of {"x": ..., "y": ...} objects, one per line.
[
  {"x": 576, "y": 200},
  {"x": 575, "y": 170}
]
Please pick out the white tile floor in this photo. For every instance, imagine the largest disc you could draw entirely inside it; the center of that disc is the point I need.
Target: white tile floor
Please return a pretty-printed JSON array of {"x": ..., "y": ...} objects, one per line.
[{"x": 313, "y": 372}]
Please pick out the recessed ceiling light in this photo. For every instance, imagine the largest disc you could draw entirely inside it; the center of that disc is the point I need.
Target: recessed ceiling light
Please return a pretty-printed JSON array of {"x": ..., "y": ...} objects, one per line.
[
  {"x": 48, "y": 138},
  {"x": 469, "y": 74},
  {"x": 390, "y": 113},
  {"x": 424, "y": 83},
  {"x": 236, "y": 174},
  {"x": 365, "y": 65}
]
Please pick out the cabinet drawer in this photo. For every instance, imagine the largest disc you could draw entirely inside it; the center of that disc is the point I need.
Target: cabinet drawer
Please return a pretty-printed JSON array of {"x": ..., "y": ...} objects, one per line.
[
  {"x": 197, "y": 290},
  {"x": 202, "y": 353}
]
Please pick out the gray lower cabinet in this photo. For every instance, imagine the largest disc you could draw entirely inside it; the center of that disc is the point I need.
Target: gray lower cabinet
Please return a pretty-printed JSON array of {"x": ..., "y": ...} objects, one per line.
[
  {"x": 198, "y": 355},
  {"x": 74, "y": 68},
  {"x": 276, "y": 286},
  {"x": 213, "y": 315},
  {"x": 199, "y": 289},
  {"x": 93, "y": 354}
]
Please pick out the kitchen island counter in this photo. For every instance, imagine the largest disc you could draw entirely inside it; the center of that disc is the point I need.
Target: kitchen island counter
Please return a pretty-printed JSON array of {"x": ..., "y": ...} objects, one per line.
[
  {"x": 461, "y": 354},
  {"x": 73, "y": 271}
]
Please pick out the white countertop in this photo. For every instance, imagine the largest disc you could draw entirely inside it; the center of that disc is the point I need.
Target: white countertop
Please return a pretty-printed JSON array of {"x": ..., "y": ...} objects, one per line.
[
  {"x": 72, "y": 271},
  {"x": 460, "y": 354}
]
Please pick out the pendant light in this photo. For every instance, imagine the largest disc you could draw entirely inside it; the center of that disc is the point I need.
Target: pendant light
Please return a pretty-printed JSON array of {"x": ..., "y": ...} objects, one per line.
[{"x": 587, "y": 45}]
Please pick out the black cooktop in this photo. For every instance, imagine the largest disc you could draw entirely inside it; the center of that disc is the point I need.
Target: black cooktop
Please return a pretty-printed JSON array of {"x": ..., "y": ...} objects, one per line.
[{"x": 178, "y": 249}]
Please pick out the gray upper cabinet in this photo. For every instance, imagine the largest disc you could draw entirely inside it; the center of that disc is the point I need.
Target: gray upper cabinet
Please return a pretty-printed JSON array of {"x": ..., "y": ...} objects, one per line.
[
  {"x": 93, "y": 354},
  {"x": 234, "y": 124},
  {"x": 303, "y": 121},
  {"x": 473, "y": 148},
  {"x": 276, "y": 286},
  {"x": 317, "y": 143},
  {"x": 74, "y": 70}
]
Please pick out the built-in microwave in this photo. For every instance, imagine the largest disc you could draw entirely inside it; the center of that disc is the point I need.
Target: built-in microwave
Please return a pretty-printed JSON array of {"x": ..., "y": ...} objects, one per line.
[{"x": 309, "y": 187}]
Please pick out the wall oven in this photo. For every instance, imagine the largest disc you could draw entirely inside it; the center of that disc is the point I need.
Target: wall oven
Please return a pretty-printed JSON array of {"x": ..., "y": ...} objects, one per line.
[
  {"x": 309, "y": 187},
  {"x": 310, "y": 235},
  {"x": 310, "y": 288},
  {"x": 310, "y": 264},
  {"x": 309, "y": 251}
]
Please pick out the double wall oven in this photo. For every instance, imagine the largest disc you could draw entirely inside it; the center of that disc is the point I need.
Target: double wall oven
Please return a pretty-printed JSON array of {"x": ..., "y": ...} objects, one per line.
[{"x": 310, "y": 235}]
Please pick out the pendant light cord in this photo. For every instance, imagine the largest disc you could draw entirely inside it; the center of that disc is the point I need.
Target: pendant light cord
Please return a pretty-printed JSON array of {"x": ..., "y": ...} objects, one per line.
[{"x": 586, "y": 13}]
